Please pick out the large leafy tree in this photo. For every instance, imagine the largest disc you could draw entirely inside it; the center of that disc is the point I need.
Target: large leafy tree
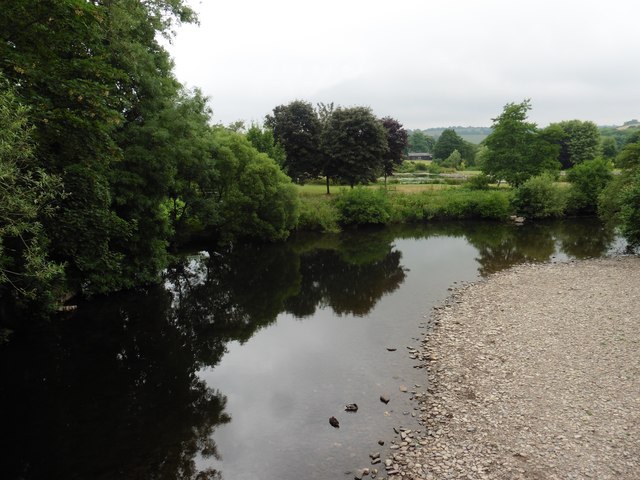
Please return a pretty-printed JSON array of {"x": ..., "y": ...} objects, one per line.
[
  {"x": 397, "y": 141},
  {"x": 588, "y": 180},
  {"x": 447, "y": 142},
  {"x": 264, "y": 141},
  {"x": 27, "y": 193},
  {"x": 620, "y": 199},
  {"x": 255, "y": 198},
  {"x": 517, "y": 150},
  {"x": 297, "y": 128},
  {"x": 580, "y": 142},
  {"x": 421, "y": 142},
  {"x": 355, "y": 143},
  {"x": 95, "y": 78}
]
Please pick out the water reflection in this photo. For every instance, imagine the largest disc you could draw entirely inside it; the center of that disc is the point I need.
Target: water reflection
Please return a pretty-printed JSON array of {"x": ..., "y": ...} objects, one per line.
[
  {"x": 114, "y": 390},
  {"x": 110, "y": 393},
  {"x": 349, "y": 276}
]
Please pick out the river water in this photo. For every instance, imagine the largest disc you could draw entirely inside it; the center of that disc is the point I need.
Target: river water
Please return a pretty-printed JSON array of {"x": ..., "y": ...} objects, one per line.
[{"x": 232, "y": 368}]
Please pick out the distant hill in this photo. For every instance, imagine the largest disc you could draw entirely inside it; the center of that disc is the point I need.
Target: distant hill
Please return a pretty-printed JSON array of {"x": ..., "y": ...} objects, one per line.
[
  {"x": 630, "y": 124},
  {"x": 470, "y": 134}
]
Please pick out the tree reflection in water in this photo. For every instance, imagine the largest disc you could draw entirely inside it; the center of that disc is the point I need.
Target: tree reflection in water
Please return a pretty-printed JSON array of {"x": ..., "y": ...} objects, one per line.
[
  {"x": 110, "y": 392},
  {"x": 113, "y": 390}
]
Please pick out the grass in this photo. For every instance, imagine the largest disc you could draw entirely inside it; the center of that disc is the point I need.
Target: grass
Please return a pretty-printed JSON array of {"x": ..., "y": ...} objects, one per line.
[
  {"x": 311, "y": 190},
  {"x": 405, "y": 204}
]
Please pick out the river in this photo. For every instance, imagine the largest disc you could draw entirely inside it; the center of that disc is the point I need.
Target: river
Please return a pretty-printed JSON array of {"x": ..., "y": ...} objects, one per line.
[{"x": 233, "y": 366}]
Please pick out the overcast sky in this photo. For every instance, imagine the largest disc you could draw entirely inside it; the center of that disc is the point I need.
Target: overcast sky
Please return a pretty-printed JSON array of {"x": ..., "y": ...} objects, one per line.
[{"x": 426, "y": 63}]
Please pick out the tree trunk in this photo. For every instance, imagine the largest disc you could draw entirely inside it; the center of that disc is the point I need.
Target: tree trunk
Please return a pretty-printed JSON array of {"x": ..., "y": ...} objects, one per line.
[{"x": 328, "y": 192}]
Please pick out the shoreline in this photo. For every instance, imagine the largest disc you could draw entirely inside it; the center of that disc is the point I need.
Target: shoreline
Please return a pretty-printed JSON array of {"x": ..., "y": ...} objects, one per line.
[{"x": 533, "y": 373}]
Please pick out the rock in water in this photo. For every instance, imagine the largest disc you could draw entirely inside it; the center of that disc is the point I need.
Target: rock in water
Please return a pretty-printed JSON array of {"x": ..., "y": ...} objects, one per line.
[{"x": 334, "y": 422}]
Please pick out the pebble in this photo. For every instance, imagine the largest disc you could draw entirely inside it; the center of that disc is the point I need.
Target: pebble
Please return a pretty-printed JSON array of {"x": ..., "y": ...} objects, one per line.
[{"x": 492, "y": 366}]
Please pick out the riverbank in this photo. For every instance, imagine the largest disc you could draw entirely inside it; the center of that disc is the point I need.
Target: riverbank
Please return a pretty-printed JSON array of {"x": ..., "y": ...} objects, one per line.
[{"x": 533, "y": 373}]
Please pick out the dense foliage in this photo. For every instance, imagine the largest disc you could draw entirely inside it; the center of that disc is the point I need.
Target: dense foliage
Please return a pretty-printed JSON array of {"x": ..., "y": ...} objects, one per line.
[
  {"x": 579, "y": 142},
  {"x": 27, "y": 193},
  {"x": 362, "y": 206},
  {"x": 588, "y": 180},
  {"x": 420, "y": 142},
  {"x": 397, "y": 142},
  {"x": 540, "y": 197},
  {"x": 619, "y": 201},
  {"x": 355, "y": 144},
  {"x": 448, "y": 142},
  {"x": 297, "y": 128},
  {"x": 517, "y": 150},
  {"x": 107, "y": 160}
]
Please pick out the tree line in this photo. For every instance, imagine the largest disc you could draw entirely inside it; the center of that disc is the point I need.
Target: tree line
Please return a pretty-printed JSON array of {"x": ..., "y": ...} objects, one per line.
[
  {"x": 106, "y": 160},
  {"x": 347, "y": 144}
]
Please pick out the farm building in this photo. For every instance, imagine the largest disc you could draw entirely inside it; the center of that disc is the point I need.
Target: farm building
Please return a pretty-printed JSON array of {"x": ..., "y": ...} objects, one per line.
[{"x": 419, "y": 156}]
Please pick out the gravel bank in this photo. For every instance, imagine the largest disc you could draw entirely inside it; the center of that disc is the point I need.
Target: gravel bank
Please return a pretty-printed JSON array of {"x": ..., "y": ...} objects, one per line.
[{"x": 533, "y": 373}]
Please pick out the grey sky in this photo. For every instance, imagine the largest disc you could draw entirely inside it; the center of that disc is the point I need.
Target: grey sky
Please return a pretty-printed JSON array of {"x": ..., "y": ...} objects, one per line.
[{"x": 425, "y": 63}]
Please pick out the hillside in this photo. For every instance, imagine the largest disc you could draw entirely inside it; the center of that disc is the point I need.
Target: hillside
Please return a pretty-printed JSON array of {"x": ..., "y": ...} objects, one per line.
[{"x": 470, "y": 134}]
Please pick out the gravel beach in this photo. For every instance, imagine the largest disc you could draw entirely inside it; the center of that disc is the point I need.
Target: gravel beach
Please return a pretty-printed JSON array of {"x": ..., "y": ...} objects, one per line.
[{"x": 533, "y": 373}]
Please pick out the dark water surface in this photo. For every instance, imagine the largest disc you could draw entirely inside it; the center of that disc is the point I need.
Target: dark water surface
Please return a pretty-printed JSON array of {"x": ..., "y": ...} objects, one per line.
[{"x": 233, "y": 367}]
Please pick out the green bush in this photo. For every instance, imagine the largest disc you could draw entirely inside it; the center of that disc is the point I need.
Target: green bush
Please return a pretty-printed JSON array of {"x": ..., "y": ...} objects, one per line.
[
  {"x": 540, "y": 197},
  {"x": 317, "y": 215},
  {"x": 630, "y": 212},
  {"x": 479, "y": 182},
  {"x": 611, "y": 198},
  {"x": 434, "y": 168},
  {"x": 362, "y": 206},
  {"x": 588, "y": 180},
  {"x": 451, "y": 204}
]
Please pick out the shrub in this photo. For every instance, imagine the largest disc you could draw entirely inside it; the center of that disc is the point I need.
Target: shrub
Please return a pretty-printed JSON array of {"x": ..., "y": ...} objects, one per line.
[
  {"x": 630, "y": 212},
  {"x": 361, "y": 206},
  {"x": 612, "y": 196},
  {"x": 539, "y": 197},
  {"x": 421, "y": 167},
  {"x": 451, "y": 204},
  {"x": 479, "y": 182},
  {"x": 588, "y": 180},
  {"x": 317, "y": 215},
  {"x": 434, "y": 168},
  {"x": 492, "y": 204}
]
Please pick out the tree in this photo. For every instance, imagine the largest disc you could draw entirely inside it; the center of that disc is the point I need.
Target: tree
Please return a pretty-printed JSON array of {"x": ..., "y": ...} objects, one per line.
[
  {"x": 517, "y": 150},
  {"x": 448, "y": 141},
  {"x": 355, "y": 143},
  {"x": 95, "y": 77},
  {"x": 255, "y": 198},
  {"x": 397, "y": 142},
  {"x": 580, "y": 142},
  {"x": 453, "y": 161},
  {"x": 264, "y": 141},
  {"x": 630, "y": 210},
  {"x": 588, "y": 179},
  {"x": 421, "y": 142},
  {"x": 27, "y": 192},
  {"x": 629, "y": 157},
  {"x": 609, "y": 147},
  {"x": 620, "y": 199},
  {"x": 297, "y": 128}
]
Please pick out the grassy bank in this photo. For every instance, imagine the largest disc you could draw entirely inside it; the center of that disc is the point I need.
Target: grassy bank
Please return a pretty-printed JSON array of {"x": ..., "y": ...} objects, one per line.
[{"x": 397, "y": 204}]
